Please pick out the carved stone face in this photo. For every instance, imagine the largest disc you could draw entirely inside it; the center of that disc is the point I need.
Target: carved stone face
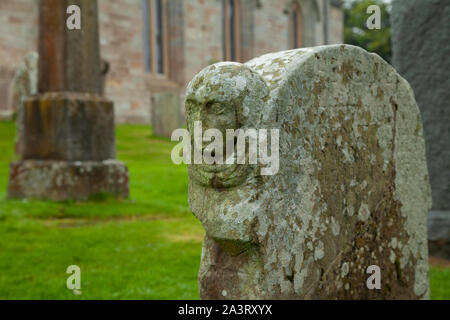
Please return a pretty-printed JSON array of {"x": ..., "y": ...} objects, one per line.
[
  {"x": 224, "y": 96},
  {"x": 215, "y": 98}
]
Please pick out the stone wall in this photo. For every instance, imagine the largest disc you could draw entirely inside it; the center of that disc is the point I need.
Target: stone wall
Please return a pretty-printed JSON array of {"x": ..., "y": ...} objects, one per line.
[
  {"x": 121, "y": 25},
  {"x": 335, "y": 25},
  {"x": 203, "y": 34},
  {"x": 270, "y": 33},
  {"x": 195, "y": 38}
]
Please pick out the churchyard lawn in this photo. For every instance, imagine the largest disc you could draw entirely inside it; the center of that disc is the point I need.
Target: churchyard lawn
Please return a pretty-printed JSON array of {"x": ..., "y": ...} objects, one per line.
[{"x": 147, "y": 247}]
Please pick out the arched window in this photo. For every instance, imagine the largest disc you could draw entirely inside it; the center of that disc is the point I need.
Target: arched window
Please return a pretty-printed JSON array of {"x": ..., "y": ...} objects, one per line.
[
  {"x": 231, "y": 30},
  {"x": 155, "y": 36},
  {"x": 296, "y": 26}
]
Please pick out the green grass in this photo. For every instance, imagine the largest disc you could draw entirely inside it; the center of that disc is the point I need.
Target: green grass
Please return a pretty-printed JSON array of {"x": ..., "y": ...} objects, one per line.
[
  {"x": 147, "y": 247},
  {"x": 440, "y": 283},
  {"x": 143, "y": 259}
]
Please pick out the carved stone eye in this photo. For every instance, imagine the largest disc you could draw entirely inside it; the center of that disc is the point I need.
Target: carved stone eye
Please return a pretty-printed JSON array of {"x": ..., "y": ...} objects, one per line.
[{"x": 215, "y": 107}]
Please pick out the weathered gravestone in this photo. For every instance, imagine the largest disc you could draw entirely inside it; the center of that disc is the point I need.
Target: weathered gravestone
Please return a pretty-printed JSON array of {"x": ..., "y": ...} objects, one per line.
[
  {"x": 166, "y": 113},
  {"x": 23, "y": 87},
  {"x": 68, "y": 140},
  {"x": 423, "y": 58},
  {"x": 352, "y": 188},
  {"x": 6, "y": 77}
]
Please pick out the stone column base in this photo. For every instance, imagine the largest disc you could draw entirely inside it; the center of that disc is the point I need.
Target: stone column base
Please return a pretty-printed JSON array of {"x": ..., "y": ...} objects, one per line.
[{"x": 63, "y": 180}]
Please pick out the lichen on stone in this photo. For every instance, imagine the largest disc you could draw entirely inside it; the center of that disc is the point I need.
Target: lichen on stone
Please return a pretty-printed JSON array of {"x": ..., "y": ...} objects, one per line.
[{"x": 349, "y": 191}]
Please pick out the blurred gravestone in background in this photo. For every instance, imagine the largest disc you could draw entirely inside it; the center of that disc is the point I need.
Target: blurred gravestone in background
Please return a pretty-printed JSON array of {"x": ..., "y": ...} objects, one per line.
[
  {"x": 166, "y": 113},
  {"x": 6, "y": 78},
  {"x": 352, "y": 189},
  {"x": 68, "y": 140},
  {"x": 421, "y": 54},
  {"x": 24, "y": 86}
]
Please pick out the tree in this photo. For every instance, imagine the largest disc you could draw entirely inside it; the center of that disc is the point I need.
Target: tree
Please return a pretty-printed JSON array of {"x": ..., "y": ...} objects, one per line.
[{"x": 357, "y": 33}]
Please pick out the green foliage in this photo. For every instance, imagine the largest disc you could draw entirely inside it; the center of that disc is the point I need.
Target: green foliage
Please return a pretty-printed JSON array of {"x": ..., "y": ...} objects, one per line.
[{"x": 357, "y": 33}]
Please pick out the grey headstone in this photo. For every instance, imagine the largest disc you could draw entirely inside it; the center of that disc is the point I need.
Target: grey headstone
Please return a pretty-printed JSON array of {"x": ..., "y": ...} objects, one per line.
[
  {"x": 24, "y": 86},
  {"x": 421, "y": 54},
  {"x": 352, "y": 188},
  {"x": 166, "y": 114}
]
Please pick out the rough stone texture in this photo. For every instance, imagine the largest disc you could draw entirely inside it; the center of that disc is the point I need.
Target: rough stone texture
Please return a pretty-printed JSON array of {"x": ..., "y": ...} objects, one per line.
[
  {"x": 352, "y": 190},
  {"x": 422, "y": 57},
  {"x": 166, "y": 114},
  {"x": 63, "y": 180},
  {"x": 67, "y": 140},
  {"x": 69, "y": 59},
  {"x": 69, "y": 126},
  {"x": 24, "y": 86}
]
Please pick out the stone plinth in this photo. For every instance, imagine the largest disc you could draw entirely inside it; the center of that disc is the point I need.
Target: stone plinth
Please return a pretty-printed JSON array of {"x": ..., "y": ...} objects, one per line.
[
  {"x": 69, "y": 126},
  {"x": 68, "y": 142},
  {"x": 63, "y": 180}
]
